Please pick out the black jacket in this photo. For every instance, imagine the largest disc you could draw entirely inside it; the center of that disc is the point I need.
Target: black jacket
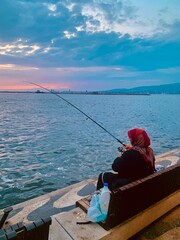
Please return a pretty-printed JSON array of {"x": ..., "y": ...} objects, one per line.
[{"x": 131, "y": 165}]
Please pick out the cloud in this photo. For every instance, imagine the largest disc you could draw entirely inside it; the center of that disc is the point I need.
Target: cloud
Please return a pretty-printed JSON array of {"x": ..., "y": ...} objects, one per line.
[
  {"x": 102, "y": 41},
  {"x": 170, "y": 70},
  {"x": 18, "y": 47},
  {"x": 69, "y": 35},
  {"x": 16, "y": 67},
  {"x": 26, "y": 19}
]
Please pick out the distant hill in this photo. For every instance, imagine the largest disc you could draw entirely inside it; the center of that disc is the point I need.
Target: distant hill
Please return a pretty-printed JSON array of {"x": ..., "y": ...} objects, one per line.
[{"x": 166, "y": 88}]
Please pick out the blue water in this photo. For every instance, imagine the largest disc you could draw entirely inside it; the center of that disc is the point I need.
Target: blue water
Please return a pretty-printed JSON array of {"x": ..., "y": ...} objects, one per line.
[{"x": 45, "y": 144}]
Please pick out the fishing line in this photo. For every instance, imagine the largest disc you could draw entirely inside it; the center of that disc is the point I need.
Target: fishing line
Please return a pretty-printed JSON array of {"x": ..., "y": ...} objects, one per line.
[{"x": 88, "y": 117}]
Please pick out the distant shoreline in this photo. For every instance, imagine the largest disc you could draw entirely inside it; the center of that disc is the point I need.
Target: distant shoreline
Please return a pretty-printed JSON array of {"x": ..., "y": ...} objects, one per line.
[
  {"x": 79, "y": 93},
  {"x": 91, "y": 93}
]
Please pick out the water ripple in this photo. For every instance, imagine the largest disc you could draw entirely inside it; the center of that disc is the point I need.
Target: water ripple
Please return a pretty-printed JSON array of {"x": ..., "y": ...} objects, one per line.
[{"x": 49, "y": 145}]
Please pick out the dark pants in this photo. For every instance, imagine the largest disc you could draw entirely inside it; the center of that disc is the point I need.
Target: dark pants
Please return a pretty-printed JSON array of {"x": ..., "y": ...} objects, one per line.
[{"x": 113, "y": 180}]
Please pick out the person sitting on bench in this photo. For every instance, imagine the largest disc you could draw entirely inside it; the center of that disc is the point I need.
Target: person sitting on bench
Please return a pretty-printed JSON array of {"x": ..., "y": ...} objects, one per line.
[{"x": 136, "y": 162}]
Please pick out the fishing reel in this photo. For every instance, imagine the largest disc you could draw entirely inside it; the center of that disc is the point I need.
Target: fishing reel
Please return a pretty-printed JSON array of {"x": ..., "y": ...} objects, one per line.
[{"x": 121, "y": 150}]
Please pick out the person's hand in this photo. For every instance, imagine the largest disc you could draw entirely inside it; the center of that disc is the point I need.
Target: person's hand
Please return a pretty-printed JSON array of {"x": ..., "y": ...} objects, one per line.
[{"x": 127, "y": 146}]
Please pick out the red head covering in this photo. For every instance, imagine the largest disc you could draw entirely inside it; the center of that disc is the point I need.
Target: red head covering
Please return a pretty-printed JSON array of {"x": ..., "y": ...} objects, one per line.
[
  {"x": 139, "y": 137},
  {"x": 140, "y": 142}
]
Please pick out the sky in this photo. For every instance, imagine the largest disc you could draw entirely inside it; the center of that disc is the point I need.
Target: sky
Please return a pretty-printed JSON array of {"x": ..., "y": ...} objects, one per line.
[{"x": 89, "y": 44}]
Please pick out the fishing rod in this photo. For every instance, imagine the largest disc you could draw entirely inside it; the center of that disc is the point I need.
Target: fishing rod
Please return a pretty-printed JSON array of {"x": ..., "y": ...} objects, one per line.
[{"x": 78, "y": 110}]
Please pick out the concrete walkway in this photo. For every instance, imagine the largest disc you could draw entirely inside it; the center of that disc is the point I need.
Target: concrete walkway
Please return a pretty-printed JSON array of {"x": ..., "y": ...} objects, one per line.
[{"x": 60, "y": 205}]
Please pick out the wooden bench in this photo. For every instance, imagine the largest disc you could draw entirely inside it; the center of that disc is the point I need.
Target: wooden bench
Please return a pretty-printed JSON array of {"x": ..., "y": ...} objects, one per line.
[
  {"x": 4, "y": 216},
  {"x": 38, "y": 230},
  {"x": 136, "y": 197}
]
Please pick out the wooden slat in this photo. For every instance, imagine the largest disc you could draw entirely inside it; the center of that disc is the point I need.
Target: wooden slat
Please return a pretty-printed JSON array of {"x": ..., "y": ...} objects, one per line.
[
  {"x": 45, "y": 230},
  {"x": 11, "y": 235},
  {"x": 38, "y": 230},
  {"x": 5, "y": 215},
  {"x": 83, "y": 204}
]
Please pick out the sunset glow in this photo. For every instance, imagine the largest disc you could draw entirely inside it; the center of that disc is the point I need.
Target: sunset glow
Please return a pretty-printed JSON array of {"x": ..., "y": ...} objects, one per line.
[
  {"x": 16, "y": 67},
  {"x": 16, "y": 87},
  {"x": 31, "y": 87}
]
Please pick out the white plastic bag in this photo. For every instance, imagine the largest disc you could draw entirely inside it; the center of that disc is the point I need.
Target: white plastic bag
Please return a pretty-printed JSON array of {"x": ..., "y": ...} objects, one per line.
[{"x": 94, "y": 213}]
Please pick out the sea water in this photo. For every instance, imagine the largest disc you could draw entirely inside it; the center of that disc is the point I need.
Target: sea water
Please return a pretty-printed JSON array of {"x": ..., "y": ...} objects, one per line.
[{"x": 46, "y": 144}]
